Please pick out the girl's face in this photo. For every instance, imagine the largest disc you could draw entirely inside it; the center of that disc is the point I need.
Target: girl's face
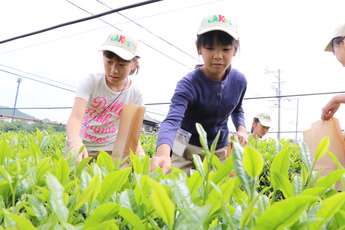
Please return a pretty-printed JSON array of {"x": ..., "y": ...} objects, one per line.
[
  {"x": 259, "y": 129},
  {"x": 217, "y": 58},
  {"x": 339, "y": 51},
  {"x": 117, "y": 70}
]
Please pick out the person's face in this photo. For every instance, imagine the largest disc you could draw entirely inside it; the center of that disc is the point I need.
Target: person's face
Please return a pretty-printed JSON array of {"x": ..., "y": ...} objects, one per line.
[
  {"x": 217, "y": 58},
  {"x": 339, "y": 51},
  {"x": 117, "y": 70},
  {"x": 259, "y": 129}
]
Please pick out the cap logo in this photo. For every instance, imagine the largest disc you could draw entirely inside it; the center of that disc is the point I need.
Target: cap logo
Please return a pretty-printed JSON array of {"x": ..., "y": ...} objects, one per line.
[
  {"x": 121, "y": 39},
  {"x": 220, "y": 18},
  {"x": 267, "y": 117}
]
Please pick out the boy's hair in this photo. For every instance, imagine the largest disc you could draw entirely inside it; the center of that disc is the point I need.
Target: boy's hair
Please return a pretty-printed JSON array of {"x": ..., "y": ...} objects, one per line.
[
  {"x": 256, "y": 120},
  {"x": 225, "y": 39},
  {"x": 110, "y": 55}
]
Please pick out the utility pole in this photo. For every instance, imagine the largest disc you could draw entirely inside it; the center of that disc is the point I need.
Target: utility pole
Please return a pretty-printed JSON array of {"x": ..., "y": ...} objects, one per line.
[
  {"x": 19, "y": 80},
  {"x": 297, "y": 119},
  {"x": 278, "y": 93}
]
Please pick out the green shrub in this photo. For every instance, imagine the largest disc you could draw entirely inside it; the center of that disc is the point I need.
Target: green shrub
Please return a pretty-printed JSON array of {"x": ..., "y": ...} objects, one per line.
[{"x": 40, "y": 189}]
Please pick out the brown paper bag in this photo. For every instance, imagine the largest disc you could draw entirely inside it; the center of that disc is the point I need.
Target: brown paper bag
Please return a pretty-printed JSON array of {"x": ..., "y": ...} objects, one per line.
[
  {"x": 128, "y": 135},
  {"x": 313, "y": 136}
]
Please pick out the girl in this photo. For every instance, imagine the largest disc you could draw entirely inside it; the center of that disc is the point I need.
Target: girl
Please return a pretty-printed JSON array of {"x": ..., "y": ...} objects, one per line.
[
  {"x": 337, "y": 46},
  {"x": 207, "y": 95},
  {"x": 100, "y": 98},
  {"x": 261, "y": 125}
]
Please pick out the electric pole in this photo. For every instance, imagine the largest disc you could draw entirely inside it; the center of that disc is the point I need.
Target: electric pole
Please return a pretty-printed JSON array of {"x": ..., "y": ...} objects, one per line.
[
  {"x": 19, "y": 80},
  {"x": 278, "y": 93}
]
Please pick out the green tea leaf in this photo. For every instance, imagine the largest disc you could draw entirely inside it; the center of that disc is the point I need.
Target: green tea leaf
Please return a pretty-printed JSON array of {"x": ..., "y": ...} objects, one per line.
[
  {"x": 203, "y": 139},
  {"x": 195, "y": 219},
  {"x": 82, "y": 165},
  {"x": 223, "y": 170},
  {"x": 105, "y": 158},
  {"x": 281, "y": 163},
  {"x": 130, "y": 216},
  {"x": 252, "y": 161},
  {"x": 198, "y": 165},
  {"x": 136, "y": 162},
  {"x": 194, "y": 182},
  {"x": 321, "y": 148},
  {"x": 284, "y": 213},
  {"x": 56, "y": 199},
  {"x": 335, "y": 160},
  {"x": 282, "y": 183},
  {"x": 102, "y": 213},
  {"x": 21, "y": 223},
  {"x": 38, "y": 207},
  {"x": 5, "y": 151},
  {"x": 62, "y": 170},
  {"x": 90, "y": 193},
  {"x": 164, "y": 207},
  {"x": 112, "y": 183},
  {"x": 329, "y": 180},
  {"x": 304, "y": 155},
  {"x": 239, "y": 168},
  {"x": 43, "y": 166},
  {"x": 297, "y": 185},
  {"x": 328, "y": 209},
  {"x": 183, "y": 199}
]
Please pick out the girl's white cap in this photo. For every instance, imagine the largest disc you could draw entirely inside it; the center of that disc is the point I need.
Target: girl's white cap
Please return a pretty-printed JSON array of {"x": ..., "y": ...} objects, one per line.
[
  {"x": 339, "y": 32},
  {"x": 218, "y": 22},
  {"x": 122, "y": 44}
]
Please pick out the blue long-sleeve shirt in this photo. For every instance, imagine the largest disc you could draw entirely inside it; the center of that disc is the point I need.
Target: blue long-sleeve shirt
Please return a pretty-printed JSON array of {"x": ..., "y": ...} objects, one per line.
[{"x": 196, "y": 99}]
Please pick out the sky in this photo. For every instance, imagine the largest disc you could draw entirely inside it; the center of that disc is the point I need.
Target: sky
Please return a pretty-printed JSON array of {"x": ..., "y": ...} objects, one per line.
[{"x": 285, "y": 38}]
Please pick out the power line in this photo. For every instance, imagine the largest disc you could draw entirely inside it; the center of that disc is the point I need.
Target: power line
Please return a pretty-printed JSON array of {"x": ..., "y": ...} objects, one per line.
[
  {"x": 139, "y": 39},
  {"x": 36, "y": 75},
  {"x": 19, "y": 75},
  {"x": 81, "y": 20},
  {"x": 150, "y": 31}
]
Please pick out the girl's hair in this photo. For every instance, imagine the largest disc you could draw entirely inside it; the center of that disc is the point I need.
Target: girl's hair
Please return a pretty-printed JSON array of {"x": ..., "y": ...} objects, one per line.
[
  {"x": 256, "y": 120},
  {"x": 110, "y": 55},
  {"x": 336, "y": 41},
  {"x": 223, "y": 38}
]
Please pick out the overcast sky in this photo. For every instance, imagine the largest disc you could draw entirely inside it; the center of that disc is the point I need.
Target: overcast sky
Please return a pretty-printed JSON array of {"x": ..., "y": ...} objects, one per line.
[{"x": 289, "y": 36}]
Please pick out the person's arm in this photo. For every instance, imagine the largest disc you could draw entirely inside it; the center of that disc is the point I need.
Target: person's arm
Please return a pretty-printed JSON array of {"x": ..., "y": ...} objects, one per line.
[
  {"x": 332, "y": 106},
  {"x": 162, "y": 158},
  {"x": 73, "y": 127}
]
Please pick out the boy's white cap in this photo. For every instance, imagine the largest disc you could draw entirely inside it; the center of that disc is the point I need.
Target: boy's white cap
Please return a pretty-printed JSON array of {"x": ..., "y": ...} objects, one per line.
[
  {"x": 122, "y": 44},
  {"x": 218, "y": 22},
  {"x": 339, "y": 32},
  {"x": 264, "y": 118}
]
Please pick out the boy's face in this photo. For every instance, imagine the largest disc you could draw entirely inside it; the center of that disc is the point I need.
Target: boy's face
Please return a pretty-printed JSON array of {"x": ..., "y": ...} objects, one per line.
[
  {"x": 117, "y": 70},
  {"x": 217, "y": 58}
]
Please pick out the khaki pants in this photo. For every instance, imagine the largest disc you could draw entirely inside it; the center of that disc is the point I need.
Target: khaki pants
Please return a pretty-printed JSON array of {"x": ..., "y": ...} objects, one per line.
[{"x": 185, "y": 163}]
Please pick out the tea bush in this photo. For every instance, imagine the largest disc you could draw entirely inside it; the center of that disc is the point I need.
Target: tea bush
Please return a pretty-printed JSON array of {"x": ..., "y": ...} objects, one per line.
[{"x": 275, "y": 187}]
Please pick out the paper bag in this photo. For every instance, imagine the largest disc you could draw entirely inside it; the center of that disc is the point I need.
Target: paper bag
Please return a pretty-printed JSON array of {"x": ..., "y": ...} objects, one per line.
[
  {"x": 313, "y": 136},
  {"x": 128, "y": 135}
]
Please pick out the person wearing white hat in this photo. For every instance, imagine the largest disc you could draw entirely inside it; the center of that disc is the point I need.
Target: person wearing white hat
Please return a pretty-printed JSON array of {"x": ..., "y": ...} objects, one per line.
[
  {"x": 260, "y": 126},
  {"x": 337, "y": 46},
  {"x": 208, "y": 95},
  {"x": 100, "y": 97}
]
